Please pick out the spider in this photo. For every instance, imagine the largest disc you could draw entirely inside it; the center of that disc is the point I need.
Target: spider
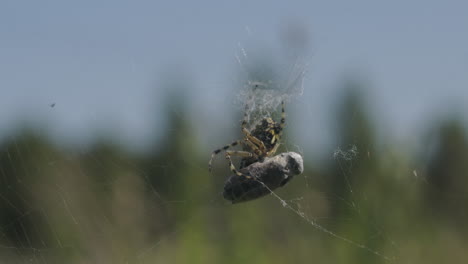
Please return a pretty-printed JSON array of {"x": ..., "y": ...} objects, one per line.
[{"x": 261, "y": 142}]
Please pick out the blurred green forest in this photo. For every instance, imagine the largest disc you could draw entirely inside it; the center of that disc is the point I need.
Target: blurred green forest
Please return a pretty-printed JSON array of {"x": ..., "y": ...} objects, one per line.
[{"x": 106, "y": 204}]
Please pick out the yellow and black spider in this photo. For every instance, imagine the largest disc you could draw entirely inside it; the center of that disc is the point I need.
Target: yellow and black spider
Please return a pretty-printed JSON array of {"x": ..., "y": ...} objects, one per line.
[{"x": 261, "y": 142}]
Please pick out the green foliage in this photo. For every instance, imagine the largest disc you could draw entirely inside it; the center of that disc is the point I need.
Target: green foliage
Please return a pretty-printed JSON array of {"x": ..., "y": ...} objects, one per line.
[
  {"x": 447, "y": 194},
  {"x": 107, "y": 205}
]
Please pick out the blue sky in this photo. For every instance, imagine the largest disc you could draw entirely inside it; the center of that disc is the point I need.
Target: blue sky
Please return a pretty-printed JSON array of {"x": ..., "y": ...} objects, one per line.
[{"x": 103, "y": 63}]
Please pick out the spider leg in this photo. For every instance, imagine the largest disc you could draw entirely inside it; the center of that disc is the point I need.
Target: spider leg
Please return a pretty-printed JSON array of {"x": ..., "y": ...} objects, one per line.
[
  {"x": 259, "y": 144},
  {"x": 283, "y": 117},
  {"x": 255, "y": 148},
  {"x": 231, "y": 165},
  {"x": 214, "y": 153},
  {"x": 252, "y": 141},
  {"x": 240, "y": 153},
  {"x": 280, "y": 133},
  {"x": 272, "y": 151}
]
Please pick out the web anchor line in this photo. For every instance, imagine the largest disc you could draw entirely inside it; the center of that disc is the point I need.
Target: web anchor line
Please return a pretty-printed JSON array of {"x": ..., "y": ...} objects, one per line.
[{"x": 326, "y": 231}]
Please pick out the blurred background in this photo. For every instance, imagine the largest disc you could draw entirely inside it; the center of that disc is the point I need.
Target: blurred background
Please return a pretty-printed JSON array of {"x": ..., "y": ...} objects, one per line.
[{"x": 109, "y": 111}]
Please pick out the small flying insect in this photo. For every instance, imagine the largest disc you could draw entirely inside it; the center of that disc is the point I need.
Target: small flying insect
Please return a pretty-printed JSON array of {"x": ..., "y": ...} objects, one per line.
[{"x": 266, "y": 176}]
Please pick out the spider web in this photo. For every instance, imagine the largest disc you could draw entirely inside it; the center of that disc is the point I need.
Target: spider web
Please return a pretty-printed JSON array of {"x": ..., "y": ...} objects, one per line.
[
  {"x": 96, "y": 204},
  {"x": 100, "y": 204},
  {"x": 262, "y": 94},
  {"x": 265, "y": 89},
  {"x": 47, "y": 238}
]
